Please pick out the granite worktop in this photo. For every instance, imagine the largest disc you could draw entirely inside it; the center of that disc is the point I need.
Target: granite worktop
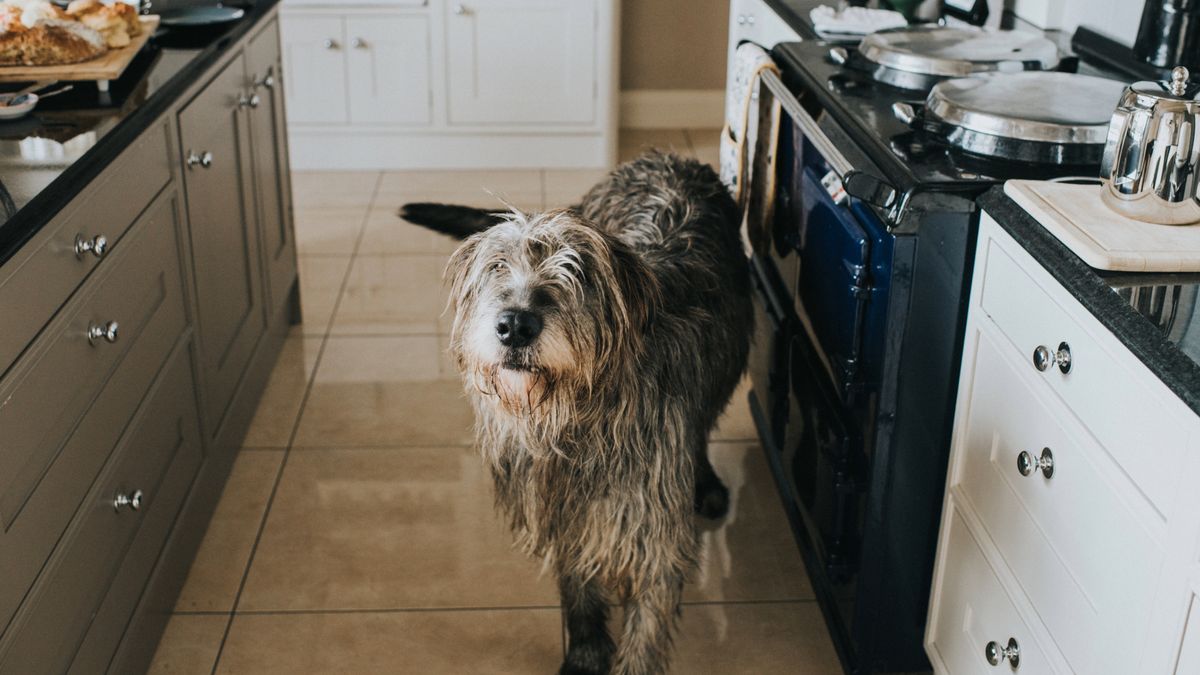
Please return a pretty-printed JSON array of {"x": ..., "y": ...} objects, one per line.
[
  {"x": 1157, "y": 316},
  {"x": 49, "y": 156}
]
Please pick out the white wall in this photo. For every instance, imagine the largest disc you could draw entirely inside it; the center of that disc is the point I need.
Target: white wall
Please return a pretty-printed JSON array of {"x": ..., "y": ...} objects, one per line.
[{"x": 1116, "y": 18}]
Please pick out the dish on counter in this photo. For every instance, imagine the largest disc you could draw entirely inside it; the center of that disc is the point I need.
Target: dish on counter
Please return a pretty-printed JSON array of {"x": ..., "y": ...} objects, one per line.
[
  {"x": 38, "y": 33},
  {"x": 197, "y": 17},
  {"x": 12, "y": 112}
]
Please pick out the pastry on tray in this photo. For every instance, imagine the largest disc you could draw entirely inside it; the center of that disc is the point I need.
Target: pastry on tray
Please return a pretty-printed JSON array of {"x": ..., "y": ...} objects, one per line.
[
  {"x": 37, "y": 33},
  {"x": 118, "y": 22}
]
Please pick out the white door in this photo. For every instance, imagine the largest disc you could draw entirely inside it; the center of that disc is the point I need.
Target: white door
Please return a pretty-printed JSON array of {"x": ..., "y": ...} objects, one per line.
[
  {"x": 314, "y": 66},
  {"x": 388, "y": 59},
  {"x": 521, "y": 61}
]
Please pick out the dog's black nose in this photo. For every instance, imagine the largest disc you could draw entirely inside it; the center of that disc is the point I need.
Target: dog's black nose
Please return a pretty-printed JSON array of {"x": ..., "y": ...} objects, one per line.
[{"x": 517, "y": 327}]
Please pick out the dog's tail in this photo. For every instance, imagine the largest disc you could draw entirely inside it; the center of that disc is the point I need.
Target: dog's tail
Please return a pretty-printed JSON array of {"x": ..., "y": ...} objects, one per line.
[{"x": 459, "y": 222}]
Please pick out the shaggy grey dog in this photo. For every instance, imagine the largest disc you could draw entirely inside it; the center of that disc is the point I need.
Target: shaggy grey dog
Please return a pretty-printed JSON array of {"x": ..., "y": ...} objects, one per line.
[{"x": 599, "y": 344}]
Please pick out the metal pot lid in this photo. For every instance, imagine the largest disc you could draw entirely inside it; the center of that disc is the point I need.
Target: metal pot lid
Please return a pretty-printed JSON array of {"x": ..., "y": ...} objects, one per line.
[
  {"x": 958, "y": 52},
  {"x": 1047, "y": 107}
]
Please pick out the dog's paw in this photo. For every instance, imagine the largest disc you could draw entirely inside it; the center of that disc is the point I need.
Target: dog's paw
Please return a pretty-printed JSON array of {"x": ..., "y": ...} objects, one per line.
[{"x": 712, "y": 500}]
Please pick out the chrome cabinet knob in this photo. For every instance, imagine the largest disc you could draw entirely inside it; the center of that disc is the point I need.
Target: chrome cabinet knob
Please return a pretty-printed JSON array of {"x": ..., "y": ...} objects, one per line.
[
  {"x": 248, "y": 101},
  {"x": 741, "y": 19},
  {"x": 461, "y": 10},
  {"x": 359, "y": 43},
  {"x": 103, "y": 331},
  {"x": 267, "y": 81},
  {"x": 1027, "y": 463},
  {"x": 996, "y": 654},
  {"x": 750, "y": 19},
  {"x": 330, "y": 43},
  {"x": 1043, "y": 358},
  {"x": 204, "y": 160},
  {"x": 97, "y": 246},
  {"x": 133, "y": 501}
]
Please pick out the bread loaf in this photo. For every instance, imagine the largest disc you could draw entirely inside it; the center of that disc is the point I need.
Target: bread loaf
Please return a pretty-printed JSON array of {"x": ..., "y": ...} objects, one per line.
[{"x": 40, "y": 34}]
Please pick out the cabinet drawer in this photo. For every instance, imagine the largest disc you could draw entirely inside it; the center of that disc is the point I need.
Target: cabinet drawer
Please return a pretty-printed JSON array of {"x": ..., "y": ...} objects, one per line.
[
  {"x": 49, "y": 456},
  {"x": 164, "y": 441},
  {"x": 1129, "y": 419},
  {"x": 1066, "y": 537},
  {"x": 973, "y": 609},
  {"x": 36, "y": 283}
]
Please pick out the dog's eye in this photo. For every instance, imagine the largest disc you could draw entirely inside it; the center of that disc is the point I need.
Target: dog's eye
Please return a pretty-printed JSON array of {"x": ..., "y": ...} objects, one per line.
[{"x": 498, "y": 266}]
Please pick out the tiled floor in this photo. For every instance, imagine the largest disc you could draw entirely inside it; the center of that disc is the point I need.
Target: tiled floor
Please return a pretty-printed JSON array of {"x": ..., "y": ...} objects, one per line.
[{"x": 356, "y": 534}]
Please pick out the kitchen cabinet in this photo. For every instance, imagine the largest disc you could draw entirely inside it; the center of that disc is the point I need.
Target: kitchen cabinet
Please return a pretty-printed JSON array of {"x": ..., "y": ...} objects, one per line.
[
  {"x": 218, "y": 179},
  {"x": 1070, "y": 517},
  {"x": 521, "y": 61},
  {"x": 479, "y": 83},
  {"x": 272, "y": 176}
]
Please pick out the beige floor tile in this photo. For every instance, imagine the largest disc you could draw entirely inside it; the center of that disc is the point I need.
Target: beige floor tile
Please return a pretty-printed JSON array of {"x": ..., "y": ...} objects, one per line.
[
  {"x": 706, "y": 144},
  {"x": 385, "y": 391},
  {"x": 389, "y": 528},
  {"x": 329, "y": 231},
  {"x": 189, "y": 646},
  {"x": 321, "y": 280},
  {"x": 500, "y": 181},
  {"x": 394, "y": 294},
  {"x": 217, "y": 570},
  {"x": 573, "y": 181},
  {"x": 737, "y": 423},
  {"x": 333, "y": 188},
  {"x": 750, "y": 553},
  {"x": 514, "y": 642},
  {"x": 280, "y": 404},
  {"x": 386, "y": 233},
  {"x": 634, "y": 142},
  {"x": 764, "y": 639}
]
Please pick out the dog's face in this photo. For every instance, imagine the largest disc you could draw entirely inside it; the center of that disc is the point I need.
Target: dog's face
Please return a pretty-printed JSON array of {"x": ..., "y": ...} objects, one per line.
[{"x": 543, "y": 305}]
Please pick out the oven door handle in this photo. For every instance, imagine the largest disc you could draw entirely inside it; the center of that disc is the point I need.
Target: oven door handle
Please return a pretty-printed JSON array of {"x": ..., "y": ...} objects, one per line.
[{"x": 862, "y": 186}]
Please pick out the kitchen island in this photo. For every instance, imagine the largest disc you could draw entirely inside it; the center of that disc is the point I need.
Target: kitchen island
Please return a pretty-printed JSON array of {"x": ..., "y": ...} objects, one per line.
[{"x": 147, "y": 281}]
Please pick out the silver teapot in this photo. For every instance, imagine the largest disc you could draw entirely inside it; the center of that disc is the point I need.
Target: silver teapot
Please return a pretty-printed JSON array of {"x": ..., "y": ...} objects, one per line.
[{"x": 1153, "y": 152}]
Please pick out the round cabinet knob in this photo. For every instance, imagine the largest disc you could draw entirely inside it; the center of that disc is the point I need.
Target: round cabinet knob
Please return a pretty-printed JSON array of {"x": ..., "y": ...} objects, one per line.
[
  {"x": 267, "y": 82},
  {"x": 133, "y": 501},
  {"x": 1043, "y": 358},
  {"x": 97, "y": 246},
  {"x": 330, "y": 43},
  {"x": 1027, "y": 463},
  {"x": 359, "y": 43},
  {"x": 750, "y": 19},
  {"x": 461, "y": 10},
  {"x": 995, "y": 654},
  {"x": 109, "y": 332},
  {"x": 204, "y": 160},
  {"x": 249, "y": 101},
  {"x": 741, "y": 19}
]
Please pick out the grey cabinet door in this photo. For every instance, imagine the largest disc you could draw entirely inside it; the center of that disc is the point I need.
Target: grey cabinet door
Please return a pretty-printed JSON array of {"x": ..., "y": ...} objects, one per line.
[
  {"x": 272, "y": 179},
  {"x": 219, "y": 184}
]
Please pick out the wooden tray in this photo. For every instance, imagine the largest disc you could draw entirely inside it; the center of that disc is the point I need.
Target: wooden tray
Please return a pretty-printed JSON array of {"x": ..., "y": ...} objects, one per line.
[{"x": 107, "y": 66}]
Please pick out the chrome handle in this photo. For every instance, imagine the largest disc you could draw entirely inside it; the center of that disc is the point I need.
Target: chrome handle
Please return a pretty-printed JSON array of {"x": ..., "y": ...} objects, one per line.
[
  {"x": 133, "y": 501},
  {"x": 204, "y": 159},
  {"x": 106, "y": 331},
  {"x": 1043, "y": 358},
  {"x": 812, "y": 130},
  {"x": 461, "y": 10},
  {"x": 248, "y": 101},
  {"x": 839, "y": 55},
  {"x": 267, "y": 81},
  {"x": 97, "y": 246},
  {"x": 1027, "y": 463},
  {"x": 359, "y": 43},
  {"x": 1011, "y": 653},
  {"x": 330, "y": 43}
]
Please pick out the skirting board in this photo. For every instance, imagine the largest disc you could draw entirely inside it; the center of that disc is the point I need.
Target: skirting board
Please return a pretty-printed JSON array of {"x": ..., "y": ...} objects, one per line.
[
  {"x": 323, "y": 150},
  {"x": 672, "y": 108}
]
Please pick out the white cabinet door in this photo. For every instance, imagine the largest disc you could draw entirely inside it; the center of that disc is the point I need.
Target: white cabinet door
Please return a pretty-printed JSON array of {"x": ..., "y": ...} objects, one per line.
[
  {"x": 314, "y": 66},
  {"x": 388, "y": 59},
  {"x": 521, "y": 61}
]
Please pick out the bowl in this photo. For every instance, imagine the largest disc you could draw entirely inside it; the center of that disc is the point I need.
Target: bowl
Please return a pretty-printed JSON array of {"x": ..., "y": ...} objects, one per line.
[{"x": 14, "y": 112}]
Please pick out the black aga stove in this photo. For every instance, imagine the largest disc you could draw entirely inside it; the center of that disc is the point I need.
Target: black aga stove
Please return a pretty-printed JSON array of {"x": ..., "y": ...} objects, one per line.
[{"x": 861, "y": 299}]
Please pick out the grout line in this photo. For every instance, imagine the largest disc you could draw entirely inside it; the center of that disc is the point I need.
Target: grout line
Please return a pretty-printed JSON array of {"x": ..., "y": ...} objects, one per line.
[
  {"x": 308, "y": 387},
  {"x": 394, "y": 610},
  {"x": 691, "y": 145}
]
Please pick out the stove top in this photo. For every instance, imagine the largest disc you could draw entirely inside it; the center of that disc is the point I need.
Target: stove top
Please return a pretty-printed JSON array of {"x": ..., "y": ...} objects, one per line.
[{"x": 912, "y": 161}]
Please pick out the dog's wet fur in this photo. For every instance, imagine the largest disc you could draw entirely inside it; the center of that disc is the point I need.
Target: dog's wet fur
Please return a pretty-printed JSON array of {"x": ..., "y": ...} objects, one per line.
[{"x": 599, "y": 345}]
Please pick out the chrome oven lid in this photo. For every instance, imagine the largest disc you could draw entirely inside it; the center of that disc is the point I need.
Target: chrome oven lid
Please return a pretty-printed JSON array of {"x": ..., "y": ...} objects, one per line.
[
  {"x": 1043, "y": 107},
  {"x": 958, "y": 52}
]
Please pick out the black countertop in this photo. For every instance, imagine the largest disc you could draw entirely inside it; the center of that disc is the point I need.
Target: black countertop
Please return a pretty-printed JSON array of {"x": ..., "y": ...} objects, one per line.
[
  {"x": 1168, "y": 346},
  {"x": 49, "y": 156}
]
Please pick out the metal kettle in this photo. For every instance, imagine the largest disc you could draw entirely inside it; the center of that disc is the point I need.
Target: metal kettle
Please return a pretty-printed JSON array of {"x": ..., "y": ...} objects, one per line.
[{"x": 1153, "y": 152}]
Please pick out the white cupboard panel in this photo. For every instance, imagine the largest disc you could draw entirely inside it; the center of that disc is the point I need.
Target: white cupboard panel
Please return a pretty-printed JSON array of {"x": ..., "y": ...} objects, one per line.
[
  {"x": 521, "y": 61},
  {"x": 314, "y": 69},
  {"x": 388, "y": 59},
  {"x": 973, "y": 609}
]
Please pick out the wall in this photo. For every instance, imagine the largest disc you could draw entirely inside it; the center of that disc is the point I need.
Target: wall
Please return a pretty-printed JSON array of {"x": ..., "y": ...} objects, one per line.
[
  {"x": 673, "y": 44},
  {"x": 1116, "y": 18}
]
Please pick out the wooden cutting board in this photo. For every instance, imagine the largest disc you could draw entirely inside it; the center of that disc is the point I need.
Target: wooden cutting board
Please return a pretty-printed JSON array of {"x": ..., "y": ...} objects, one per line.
[
  {"x": 1102, "y": 237},
  {"x": 107, "y": 66}
]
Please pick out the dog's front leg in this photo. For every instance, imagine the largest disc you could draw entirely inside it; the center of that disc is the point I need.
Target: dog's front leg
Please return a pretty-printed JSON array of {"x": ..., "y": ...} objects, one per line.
[
  {"x": 590, "y": 649},
  {"x": 650, "y": 616}
]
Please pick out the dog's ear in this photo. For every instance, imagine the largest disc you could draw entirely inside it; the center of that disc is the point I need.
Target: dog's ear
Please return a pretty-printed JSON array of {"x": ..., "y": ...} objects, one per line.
[
  {"x": 459, "y": 222},
  {"x": 640, "y": 295}
]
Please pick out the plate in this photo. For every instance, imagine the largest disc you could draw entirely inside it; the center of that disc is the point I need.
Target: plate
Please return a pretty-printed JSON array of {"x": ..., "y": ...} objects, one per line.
[{"x": 196, "y": 17}]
